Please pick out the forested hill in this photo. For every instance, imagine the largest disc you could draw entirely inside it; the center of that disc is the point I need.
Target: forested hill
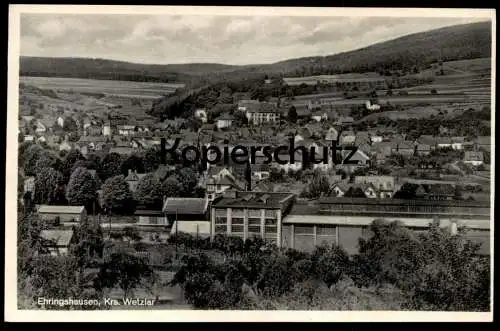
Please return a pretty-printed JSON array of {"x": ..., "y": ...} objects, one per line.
[
  {"x": 417, "y": 50},
  {"x": 457, "y": 42}
]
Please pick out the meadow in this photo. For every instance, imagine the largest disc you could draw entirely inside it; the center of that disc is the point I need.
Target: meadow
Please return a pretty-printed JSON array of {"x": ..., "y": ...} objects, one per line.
[{"x": 128, "y": 89}]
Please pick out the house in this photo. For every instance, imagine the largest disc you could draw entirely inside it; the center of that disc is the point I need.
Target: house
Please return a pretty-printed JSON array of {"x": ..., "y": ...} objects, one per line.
[
  {"x": 374, "y": 138},
  {"x": 40, "y": 127},
  {"x": 260, "y": 171},
  {"x": 384, "y": 185},
  {"x": 251, "y": 214},
  {"x": 332, "y": 135},
  {"x": 345, "y": 120},
  {"x": 106, "y": 129},
  {"x": 371, "y": 106},
  {"x": 265, "y": 112},
  {"x": 29, "y": 138},
  {"x": 474, "y": 158},
  {"x": 457, "y": 143},
  {"x": 225, "y": 121},
  {"x": 428, "y": 140},
  {"x": 285, "y": 162},
  {"x": 87, "y": 121},
  {"x": 201, "y": 114},
  {"x": 217, "y": 185},
  {"x": 359, "y": 159},
  {"x": 57, "y": 241},
  {"x": 244, "y": 105},
  {"x": 60, "y": 121},
  {"x": 121, "y": 150},
  {"x": 435, "y": 191},
  {"x": 319, "y": 116},
  {"x": 54, "y": 214},
  {"x": 93, "y": 130},
  {"x": 150, "y": 217},
  {"x": 444, "y": 142},
  {"x": 303, "y": 112},
  {"x": 126, "y": 130},
  {"x": 185, "y": 209},
  {"x": 133, "y": 179},
  {"x": 405, "y": 148},
  {"x": 483, "y": 142},
  {"x": 347, "y": 138},
  {"x": 339, "y": 189},
  {"x": 422, "y": 149}
]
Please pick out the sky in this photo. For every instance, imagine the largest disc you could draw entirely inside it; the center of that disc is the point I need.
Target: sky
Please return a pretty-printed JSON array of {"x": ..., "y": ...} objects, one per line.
[{"x": 237, "y": 40}]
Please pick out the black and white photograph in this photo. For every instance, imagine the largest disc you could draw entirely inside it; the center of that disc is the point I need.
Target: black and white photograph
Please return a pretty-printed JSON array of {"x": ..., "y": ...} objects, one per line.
[{"x": 207, "y": 160}]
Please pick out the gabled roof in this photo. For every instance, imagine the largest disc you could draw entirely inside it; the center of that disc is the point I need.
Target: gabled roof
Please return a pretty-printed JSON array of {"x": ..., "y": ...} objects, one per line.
[{"x": 185, "y": 206}]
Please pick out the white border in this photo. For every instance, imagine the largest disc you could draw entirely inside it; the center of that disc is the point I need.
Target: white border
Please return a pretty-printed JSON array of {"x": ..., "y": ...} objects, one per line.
[{"x": 13, "y": 314}]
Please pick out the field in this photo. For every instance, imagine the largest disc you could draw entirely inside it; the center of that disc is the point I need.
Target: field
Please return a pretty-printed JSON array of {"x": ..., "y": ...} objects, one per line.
[{"x": 124, "y": 89}]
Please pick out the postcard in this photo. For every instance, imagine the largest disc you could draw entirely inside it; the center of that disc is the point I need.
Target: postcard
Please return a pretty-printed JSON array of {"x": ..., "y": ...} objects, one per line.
[{"x": 176, "y": 163}]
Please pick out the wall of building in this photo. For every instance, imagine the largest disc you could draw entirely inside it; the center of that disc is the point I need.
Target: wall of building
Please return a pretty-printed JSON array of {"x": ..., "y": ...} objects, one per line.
[{"x": 62, "y": 217}]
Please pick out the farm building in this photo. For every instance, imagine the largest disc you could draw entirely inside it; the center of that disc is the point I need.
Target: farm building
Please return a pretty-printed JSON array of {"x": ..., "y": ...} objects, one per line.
[{"x": 50, "y": 213}]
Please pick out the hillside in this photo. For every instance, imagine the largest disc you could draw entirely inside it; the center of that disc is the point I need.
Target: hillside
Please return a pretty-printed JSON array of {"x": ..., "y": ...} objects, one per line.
[
  {"x": 458, "y": 42},
  {"x": 416, "y": 50}
]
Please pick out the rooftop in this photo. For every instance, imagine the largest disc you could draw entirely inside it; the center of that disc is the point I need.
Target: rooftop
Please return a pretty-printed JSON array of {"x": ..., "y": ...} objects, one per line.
[
  {"x": 245, "y": 199},
  {"x": 52, "y": 209},
  {"x": 185, "y": 206},
  {"x": 58, "y": 237}
]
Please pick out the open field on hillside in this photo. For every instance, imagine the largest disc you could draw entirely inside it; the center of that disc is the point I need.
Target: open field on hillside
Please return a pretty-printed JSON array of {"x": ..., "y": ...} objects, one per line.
[{"x": 107, "y": 87}]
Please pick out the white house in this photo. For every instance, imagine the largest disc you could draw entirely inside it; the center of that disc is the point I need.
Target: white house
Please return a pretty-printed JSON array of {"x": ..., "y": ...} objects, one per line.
[
  {"x": 40, "y": 128},
  {"x": 225, "y": 121},
  {"x": 29, "y": 138},
  {"x": 126, "y": 130},
  {"x": 473, "y": 158},
  {"x": 371, "y": 106},
  {"x": 319, "y": 116},
  {"x": 106, "y": 129},
  {"x": 457, "y": 143}
]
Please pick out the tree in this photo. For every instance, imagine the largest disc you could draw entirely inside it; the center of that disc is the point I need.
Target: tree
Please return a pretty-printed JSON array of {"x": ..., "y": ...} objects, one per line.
[
  {"x": 110, "y": 166},
  {"x": 171, "y": 187},
  {"x": 67, "y": 165},
  {"x": 82, "y": 189},
  {"x": 188, "y": 178},
  {"x": 292, "y": 114},
  {"x": 407, "y": 191},
  {"x": 133, "y": 162},
  {"x": 46, "y": 182},
  {"x": 152, "y": 160},
  {"x": 31, "y": 155},
  {"x": 318, "y": 186},
  {"x": 125, "y": 270},
  {"x": 149, "y": 191},
  {"x": 117, "y": 196}
]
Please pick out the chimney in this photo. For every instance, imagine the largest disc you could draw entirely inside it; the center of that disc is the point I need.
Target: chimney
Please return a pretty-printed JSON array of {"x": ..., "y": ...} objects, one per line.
[{"x": 129, "y": 172}]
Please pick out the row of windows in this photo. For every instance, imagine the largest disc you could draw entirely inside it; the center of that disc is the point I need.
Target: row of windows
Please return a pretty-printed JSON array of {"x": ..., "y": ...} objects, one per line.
[{"x": 408, "y": 209}]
